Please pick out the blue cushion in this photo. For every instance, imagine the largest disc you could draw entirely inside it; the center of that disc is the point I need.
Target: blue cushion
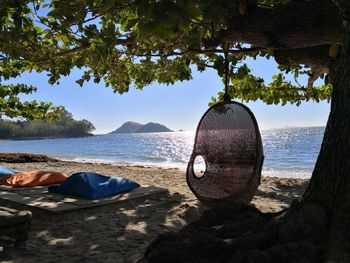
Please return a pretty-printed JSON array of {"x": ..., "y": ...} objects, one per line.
[
  {"x": 6, "y": 172},
  {"x": 93, "y": 185}
]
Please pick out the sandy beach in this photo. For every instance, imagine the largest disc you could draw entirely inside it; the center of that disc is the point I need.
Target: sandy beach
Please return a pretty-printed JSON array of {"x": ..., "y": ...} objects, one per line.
[{"x": 121, "y": 233}]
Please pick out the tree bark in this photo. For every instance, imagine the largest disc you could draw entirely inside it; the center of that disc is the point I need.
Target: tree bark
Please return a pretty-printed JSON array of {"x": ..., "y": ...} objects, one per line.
[
  {"x": 330, "y": 181},
  {"x": 333, "y": 160},
  {"x": 300, "y": 32},
  {"x": 298, "y": 24},
  {"x": 313, "y": 57}
]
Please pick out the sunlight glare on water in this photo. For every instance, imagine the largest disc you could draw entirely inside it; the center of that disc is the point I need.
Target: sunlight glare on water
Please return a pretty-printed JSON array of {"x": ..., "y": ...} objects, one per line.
[{"x": 289, "y": 152}]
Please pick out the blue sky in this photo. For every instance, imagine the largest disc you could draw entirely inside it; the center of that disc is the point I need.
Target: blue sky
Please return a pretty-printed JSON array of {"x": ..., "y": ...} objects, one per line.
[{"x": 178, "y": 106}]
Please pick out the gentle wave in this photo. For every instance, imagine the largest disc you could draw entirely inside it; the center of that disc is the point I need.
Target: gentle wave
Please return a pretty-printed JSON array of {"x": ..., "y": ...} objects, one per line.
[
  {"x": 145, "y": 164},
  {"x": 289, "y": 152}
]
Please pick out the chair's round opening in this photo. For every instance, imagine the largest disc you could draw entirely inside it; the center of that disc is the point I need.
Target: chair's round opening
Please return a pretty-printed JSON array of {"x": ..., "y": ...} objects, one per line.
[{"x": 199, "y": 166}]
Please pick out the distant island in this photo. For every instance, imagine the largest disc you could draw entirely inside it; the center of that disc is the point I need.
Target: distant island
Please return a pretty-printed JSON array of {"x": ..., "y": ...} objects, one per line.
[{"x": 135, "y": 127}]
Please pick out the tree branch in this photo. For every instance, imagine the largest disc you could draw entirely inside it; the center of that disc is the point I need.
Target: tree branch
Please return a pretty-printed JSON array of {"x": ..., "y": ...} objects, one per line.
[
  {"x": 297, "y": 24},
  {"x": 82, "y": 47},
  {"x": 199, "y": 51},
  {"x": 314, "y": 57}
]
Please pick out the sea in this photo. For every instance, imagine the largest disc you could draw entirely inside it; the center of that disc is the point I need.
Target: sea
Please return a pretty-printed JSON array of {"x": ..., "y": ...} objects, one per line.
[{"x": 289, "y": 152}]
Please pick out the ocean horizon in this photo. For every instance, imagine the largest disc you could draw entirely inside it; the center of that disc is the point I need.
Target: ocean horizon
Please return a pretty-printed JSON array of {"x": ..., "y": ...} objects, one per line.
[{"x": 289, "y": 151}]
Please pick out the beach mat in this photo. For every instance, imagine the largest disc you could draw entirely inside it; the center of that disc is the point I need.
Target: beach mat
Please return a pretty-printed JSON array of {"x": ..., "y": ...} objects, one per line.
[{"x": 40, "y": 198}]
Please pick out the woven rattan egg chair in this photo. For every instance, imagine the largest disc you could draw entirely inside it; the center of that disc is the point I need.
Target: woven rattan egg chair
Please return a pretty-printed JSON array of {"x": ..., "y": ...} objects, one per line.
[{"x": 229, "y": 141}]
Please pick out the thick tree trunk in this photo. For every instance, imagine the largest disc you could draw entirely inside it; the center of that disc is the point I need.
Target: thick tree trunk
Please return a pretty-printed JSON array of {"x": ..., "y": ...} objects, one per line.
[
  {"x": 332, "y": 171},
  {"x": 330, "y": 182}
]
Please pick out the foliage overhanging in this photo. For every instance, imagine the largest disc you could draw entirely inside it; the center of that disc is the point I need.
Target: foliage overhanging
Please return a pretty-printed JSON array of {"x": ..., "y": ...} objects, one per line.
[{"x": 134, "y": 43}]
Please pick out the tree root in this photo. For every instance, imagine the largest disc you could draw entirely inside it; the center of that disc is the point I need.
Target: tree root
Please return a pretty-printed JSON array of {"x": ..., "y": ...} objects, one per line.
[{"x": 237, "y": 232}]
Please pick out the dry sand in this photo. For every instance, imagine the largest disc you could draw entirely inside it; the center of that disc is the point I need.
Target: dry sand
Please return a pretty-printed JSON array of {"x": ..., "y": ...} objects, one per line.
[{"x": 121, "y": 233}]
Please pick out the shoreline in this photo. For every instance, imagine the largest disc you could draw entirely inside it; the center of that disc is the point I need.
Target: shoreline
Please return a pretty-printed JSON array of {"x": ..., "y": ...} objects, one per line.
[
  {"x": 180, "y": 167},
  {"x": 119, "y": 163},
  {"x": 121, "y": 233},
  {"x": 44, "y": 138}
]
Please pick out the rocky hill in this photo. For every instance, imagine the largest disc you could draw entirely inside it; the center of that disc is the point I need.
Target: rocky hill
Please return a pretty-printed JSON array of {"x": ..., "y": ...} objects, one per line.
[
  {"x": 128, "y": 127},
  {"x": 134, "y": 127}
]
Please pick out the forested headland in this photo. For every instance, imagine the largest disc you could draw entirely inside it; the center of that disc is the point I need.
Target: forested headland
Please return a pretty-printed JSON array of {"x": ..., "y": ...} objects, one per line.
[{"x": 64, "y": 127}]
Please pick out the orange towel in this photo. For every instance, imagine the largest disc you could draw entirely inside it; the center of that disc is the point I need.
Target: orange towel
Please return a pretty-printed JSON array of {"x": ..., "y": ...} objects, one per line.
[{"x": 33, "y": 178}]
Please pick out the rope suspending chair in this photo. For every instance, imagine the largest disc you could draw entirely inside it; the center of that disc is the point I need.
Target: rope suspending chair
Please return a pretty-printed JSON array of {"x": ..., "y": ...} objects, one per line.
[{"x": 229, "y": 141}]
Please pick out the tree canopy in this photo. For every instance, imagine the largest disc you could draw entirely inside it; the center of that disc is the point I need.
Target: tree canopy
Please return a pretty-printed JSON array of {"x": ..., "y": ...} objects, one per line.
[
  {"x": 132, "y": 43},
  {"x": 65, "y": 127}
]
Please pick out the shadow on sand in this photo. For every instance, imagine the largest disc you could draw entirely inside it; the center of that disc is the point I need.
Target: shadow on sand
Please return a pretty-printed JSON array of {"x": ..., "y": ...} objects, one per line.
[
  {"x": 282, "y": 191},
  {"x": 110, "y": 233},
  {"x": 119, "y": 232}
]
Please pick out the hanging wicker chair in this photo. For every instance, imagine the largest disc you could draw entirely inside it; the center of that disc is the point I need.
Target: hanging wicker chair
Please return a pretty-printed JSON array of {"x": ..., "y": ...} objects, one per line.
[{"x": 229, "y": 141}]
